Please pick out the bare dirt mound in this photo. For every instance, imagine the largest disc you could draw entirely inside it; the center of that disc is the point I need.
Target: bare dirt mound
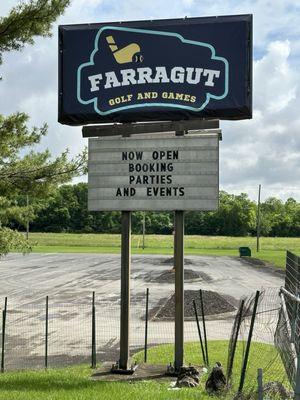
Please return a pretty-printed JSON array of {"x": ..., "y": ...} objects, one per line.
[
  {"x": 214, "y": 304},
  {"x": 168, "y": 276},
  {"x": 170, "y": 261}
]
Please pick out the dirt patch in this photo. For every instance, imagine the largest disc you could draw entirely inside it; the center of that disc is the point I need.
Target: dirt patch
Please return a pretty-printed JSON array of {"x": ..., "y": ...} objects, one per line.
[
  {"x": 168, "y": 276},
  {"x": 170, "y": 261},
  {"x": 214, "y": 304},
  {"x": 265, "y": 266}
]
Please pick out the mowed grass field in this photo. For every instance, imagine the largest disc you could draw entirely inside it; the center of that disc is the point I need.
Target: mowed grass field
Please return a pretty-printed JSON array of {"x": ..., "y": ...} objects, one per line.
[
  {"x": 273, "y": 250},
  {"x": 75, "y": 384}
]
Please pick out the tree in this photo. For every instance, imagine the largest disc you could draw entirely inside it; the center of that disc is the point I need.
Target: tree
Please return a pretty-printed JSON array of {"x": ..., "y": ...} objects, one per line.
[
  {"x": 236, "y": 215},
  {"x": 35, "y": 173},
  {"x": 28, "y": 20}
]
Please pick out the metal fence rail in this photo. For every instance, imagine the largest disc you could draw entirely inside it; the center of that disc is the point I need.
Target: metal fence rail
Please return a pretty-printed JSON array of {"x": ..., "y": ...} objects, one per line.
[{"x": 287, "y": 334}]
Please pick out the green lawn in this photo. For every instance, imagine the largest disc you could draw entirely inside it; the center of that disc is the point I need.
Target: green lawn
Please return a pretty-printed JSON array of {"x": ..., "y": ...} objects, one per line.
[
  {"x": 272, "y": 249},
  {"x": 74, "y": 383}
]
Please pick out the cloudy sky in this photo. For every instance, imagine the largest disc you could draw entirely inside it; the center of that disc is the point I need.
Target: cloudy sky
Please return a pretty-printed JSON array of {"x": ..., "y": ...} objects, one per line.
[{"x": 263, "y": 150}]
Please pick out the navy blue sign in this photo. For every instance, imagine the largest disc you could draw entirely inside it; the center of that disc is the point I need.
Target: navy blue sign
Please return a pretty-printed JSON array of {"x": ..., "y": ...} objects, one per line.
[{"x": 160, "y": 70}]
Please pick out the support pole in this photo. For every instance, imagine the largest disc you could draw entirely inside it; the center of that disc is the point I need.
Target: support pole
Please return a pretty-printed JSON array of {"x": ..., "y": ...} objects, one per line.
[
  {"x": 235, "y": 340},
  {"x": 125, "y": 289},
  {"x": 204, "y": 327},
  {"x": 297, "y": 386},
  {"x": 179, "y": 288},
  {"x": 46, "y": 332},
  {"x": 27, "y": 221},
  {"x": 146, "y": 325},
  {"x": 94, "y": 361},
  {"x": 199, "y": 333},
  {"x": 144, "y": 228},
  {"x": 258, "y": 221},
  {"x": 247, "y": 351},
  {"x": 3, "y": 333},
  {"x": 260, "y": 384}
]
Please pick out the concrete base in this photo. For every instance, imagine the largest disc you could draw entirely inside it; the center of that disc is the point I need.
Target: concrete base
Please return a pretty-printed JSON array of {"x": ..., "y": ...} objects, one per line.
[
  {"x": 116, "y": 370},
  {"x": 143, "y": 372}
]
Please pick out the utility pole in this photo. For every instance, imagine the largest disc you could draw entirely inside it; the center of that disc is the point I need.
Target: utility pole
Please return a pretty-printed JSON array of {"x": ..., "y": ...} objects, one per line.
[
  {"x": 258, "y": 221},
  {"x": 144, "y": 228},
  {"x": 27, "y": 220}
]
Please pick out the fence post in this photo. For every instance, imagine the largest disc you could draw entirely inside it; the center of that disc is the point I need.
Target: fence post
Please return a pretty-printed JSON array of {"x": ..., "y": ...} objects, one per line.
[
  {"x": 204, "y": 327},
  {"x": 235, "y": 339},
  {"x": 146, "y": 325},
  {"x": 46, "y": 332},
  {"x": 3, "y": 333},
  {"x": 297, "y": 383},
  {"x": 94, "y": 362},
  {"x": 245, "y": 361},
  {"x": 260, "y": 384},
  {"x": 199, "y": 332}
]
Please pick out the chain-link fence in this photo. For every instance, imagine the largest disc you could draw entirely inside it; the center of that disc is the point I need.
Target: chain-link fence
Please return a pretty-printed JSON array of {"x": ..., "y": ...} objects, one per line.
[
  {"x": 62, "y": 334},
  {"x": 287, "y": 335}
]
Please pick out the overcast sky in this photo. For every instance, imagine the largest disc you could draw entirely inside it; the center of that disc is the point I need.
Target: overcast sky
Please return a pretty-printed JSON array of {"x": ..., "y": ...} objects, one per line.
[{"x": 263, "y": 150}]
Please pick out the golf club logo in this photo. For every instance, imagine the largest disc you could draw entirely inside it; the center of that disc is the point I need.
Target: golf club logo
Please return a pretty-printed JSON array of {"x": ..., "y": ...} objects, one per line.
[
  {"x": 136, "y": 68},
  {"x": 126, "y": 54}
]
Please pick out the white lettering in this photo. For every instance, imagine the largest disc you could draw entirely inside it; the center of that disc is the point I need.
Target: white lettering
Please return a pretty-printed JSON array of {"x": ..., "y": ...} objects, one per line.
[
  {"x": 144, "y": 75},
  {"x": 211, "y": 74},
  {"x": 95, "y": 80},
  {"x": 128, "y": 77},
  {"x": 177, "y": 75},
  {"x": 161, "y": 75},
  {"x": 111, "y": 80},
  {"x": 189, "y": 75}
]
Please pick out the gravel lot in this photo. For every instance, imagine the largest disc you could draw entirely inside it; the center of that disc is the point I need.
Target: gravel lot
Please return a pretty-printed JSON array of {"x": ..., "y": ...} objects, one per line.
[{"x": 69, "y": 279}]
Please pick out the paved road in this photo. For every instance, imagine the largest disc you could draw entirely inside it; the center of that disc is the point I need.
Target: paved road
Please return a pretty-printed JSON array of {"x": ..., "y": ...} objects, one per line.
[{"x": 69, "y": 280}]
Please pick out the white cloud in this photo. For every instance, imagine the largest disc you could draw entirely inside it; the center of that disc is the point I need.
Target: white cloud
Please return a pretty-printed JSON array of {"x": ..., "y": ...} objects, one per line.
[{"x": 266, "y": 149}]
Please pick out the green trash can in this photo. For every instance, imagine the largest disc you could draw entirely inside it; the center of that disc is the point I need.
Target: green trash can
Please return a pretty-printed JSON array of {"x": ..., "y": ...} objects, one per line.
[{"x": 245, "y": 251}]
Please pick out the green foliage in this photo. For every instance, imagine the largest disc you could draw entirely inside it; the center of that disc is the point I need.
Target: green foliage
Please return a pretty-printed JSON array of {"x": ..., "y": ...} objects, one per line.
[
  {"x": 35, "y": 174},
  {"x": 28, "y": 20},
  {"x": 24, "y": 171},
  {"x": 12, "y": 240},
  {"x": 281, "y": 219},
  {"x": 273, "y": 250},
  {"x": 74, "y": 383},
  {"x": 236, "y": 216}
]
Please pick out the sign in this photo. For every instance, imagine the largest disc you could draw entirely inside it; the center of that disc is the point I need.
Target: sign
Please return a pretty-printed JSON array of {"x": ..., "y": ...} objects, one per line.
[
  {"x": 156, "y": 70},
  {"x": 155, "y": 174}
]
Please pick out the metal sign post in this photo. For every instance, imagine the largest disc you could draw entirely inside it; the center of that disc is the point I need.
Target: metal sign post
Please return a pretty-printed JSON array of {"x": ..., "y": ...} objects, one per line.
[
  {"x": 179, "y": 288},
  {"x": 125, "y": 289}
]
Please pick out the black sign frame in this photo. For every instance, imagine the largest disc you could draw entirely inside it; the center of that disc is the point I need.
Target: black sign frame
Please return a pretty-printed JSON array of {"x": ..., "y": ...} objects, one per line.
[{"x": 231, "y": 34}]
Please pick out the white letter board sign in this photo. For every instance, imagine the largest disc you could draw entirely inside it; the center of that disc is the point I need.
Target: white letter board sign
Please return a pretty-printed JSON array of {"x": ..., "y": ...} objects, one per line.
[{"x": 162, "y": 173}]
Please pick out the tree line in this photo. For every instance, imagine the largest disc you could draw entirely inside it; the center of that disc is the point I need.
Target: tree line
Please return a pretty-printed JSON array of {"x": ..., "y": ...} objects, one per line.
[{"x": 65, "y": 210}]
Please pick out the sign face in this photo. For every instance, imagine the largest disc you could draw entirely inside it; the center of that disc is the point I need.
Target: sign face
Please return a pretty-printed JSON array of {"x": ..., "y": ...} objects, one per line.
[
  {"x": 156, "y": 70},
  {"x": 156, "y": 174}
]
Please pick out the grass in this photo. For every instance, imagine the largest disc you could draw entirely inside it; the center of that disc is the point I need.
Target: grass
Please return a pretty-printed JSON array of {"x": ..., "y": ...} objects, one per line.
[
  {"x": 273, "y": 250},
  {"x": 74, "y": 383}
]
